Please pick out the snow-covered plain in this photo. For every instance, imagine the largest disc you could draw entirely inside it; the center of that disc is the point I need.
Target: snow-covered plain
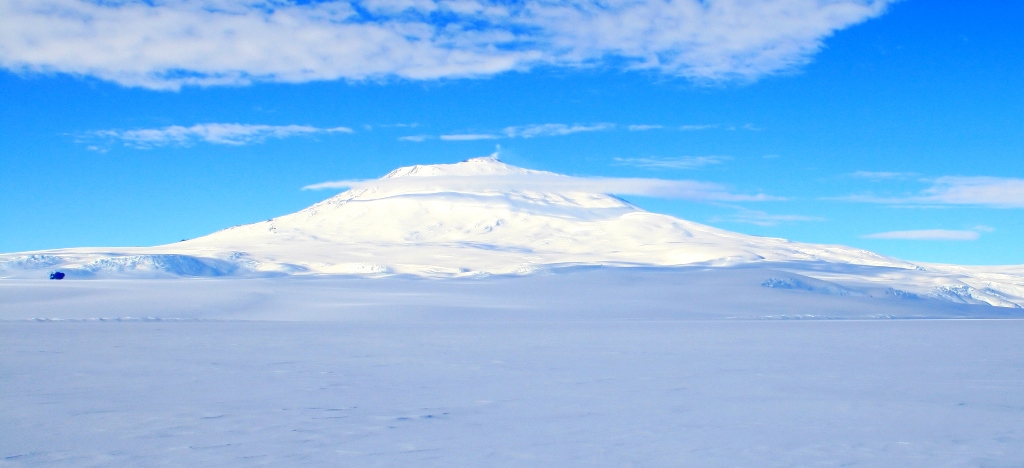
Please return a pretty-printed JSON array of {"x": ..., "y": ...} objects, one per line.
[
  {"x": 597, "y": 367},
  {"x": 403, "y": 324},
  {"x": 604, "y": 367}
]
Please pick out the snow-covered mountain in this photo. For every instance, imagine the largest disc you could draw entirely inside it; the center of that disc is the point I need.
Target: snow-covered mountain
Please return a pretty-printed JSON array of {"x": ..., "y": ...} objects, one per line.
[{"x": 483, "y": 217}]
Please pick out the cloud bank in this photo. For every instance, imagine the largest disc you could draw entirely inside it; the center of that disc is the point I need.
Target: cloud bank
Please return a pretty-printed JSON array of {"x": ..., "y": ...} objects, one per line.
[
  {"x": 167, "y": 44},
  {"x": 216, "y": 133},
  {"x": 546, "y": 182}
]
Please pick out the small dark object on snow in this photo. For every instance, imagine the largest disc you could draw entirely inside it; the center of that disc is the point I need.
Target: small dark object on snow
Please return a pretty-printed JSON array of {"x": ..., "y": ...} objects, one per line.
[{"x": 56, "y": 275}]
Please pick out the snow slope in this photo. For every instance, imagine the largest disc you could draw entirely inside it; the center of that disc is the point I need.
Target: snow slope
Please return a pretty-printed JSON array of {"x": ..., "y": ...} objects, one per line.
[{"x": 482, "y": 217}]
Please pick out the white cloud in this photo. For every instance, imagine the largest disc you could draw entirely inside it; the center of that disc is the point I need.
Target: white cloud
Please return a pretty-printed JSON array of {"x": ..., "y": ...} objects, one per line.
[
  {"x": 928, "y": 234},
  {"x": 547, "y": 182},
  {"x": 167, "y": 44},
  {"x": 416, "y": 138},
  {"x": 995, "y": 192},
  {"x": 691, "y": 128},
  {"x": 553, "y": 129},
  {"x": 683, "y": 162},
  {"x": 524, "y": 131},
  {"x": 215, "y": 133},
  {"x": 761, "y": 218},
  {"x": 469, "y": 137},
  {"x": 641, "y": 128}
]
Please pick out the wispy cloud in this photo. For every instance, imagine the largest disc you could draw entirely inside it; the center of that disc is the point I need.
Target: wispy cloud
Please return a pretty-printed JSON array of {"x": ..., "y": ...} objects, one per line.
[
  {"x": 932, "y": 234},
  {"x": 172, "y": 43},
  {"x": 399, "y": 125},
  {"x": 560, "y": 129},
  {"x": 683, "y": 162},
  {"x": 761, "y": 218},
  {"x": 693, "y": 128},
  {"x": 998, "y": 192},
  {"x": 214, "y": 133},
  {"x": 469, "y": 137},
  {"x": 995, "y": 192},
  {"x": 523, "y": 131},
  {"x": 553, "y": 129},
  {"x": 641, "y": 128},
  {"x": 547, "y": 182}
]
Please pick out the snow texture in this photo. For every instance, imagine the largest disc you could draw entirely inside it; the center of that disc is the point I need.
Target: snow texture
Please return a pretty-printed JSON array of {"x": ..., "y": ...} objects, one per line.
[
  {"x": 242, "y": 357},
  {"x": 594, "y": 367}
]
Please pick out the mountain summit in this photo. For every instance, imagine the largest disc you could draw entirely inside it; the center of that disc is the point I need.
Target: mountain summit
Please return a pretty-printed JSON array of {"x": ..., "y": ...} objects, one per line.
[{"x": 484, "y": 217}]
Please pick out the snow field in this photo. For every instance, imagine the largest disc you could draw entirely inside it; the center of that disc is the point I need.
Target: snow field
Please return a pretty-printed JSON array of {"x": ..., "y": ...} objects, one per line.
[{"x": 551, "y": 392}]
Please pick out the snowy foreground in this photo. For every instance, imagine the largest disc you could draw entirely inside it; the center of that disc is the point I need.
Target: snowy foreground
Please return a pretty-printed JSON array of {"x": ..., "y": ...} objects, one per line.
[{"x": 602, "y": 367}]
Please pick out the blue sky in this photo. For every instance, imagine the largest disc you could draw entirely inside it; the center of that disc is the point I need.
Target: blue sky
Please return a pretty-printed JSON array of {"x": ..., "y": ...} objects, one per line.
[{"x": 896, "y": 127}]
